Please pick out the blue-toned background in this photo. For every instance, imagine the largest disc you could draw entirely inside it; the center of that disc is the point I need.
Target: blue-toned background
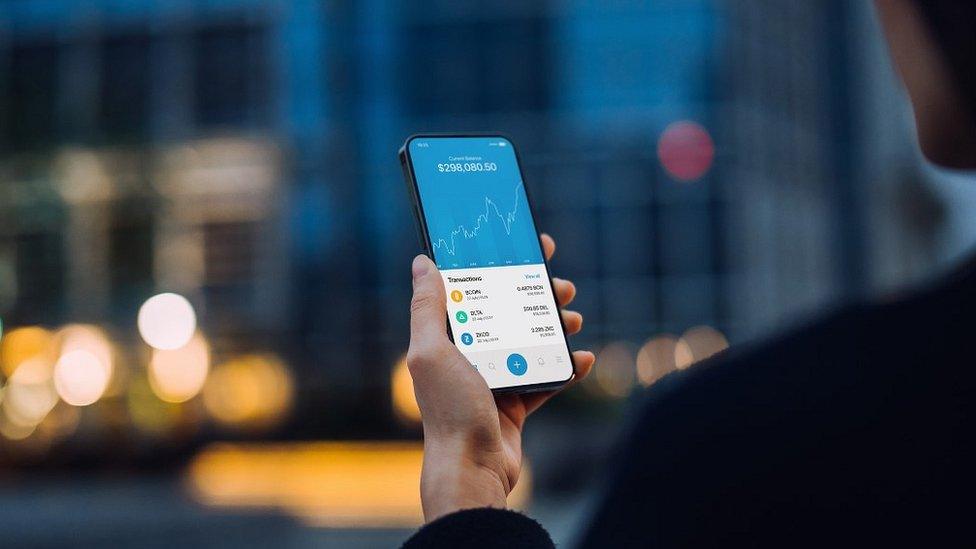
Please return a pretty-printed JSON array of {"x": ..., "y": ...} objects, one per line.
[
  {"x": 476, "y": 217},
  {"x": 713, "y": 171}
]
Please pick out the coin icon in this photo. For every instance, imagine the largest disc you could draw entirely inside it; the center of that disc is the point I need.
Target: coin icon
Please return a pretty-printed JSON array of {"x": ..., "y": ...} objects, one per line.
[{"x": 457, "y": 296}]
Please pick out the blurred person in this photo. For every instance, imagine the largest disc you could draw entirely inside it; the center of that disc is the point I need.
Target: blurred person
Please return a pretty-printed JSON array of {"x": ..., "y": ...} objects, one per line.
[{"x": 857, "y": 428}]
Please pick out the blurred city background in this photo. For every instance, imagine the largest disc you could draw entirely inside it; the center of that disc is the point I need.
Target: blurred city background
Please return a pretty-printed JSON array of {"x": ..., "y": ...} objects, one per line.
[{"x": 205, "y": 237}]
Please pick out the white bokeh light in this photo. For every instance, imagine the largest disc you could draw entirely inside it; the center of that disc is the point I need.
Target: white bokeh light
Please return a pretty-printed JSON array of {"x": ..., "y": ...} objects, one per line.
[
  {"x": 167, "y": 321},
  {"x": 80, "y": 377}
]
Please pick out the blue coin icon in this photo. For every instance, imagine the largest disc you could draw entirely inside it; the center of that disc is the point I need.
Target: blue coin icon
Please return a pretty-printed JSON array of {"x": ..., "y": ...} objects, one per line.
[
  {"x": 466, "y": 338},
  {"x": 517, "y": 364}
]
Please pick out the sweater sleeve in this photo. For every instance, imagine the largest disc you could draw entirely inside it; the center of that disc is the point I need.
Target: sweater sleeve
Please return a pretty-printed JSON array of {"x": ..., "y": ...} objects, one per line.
[{"x": 482, "y": 528}]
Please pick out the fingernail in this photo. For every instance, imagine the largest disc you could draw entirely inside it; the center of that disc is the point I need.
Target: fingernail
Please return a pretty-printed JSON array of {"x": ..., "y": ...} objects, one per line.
[{"x": 421, "y": 266}]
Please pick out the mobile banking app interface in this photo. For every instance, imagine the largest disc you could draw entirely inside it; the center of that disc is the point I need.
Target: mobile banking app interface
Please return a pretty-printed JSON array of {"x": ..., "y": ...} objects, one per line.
[{"x": 499, "y": 301}]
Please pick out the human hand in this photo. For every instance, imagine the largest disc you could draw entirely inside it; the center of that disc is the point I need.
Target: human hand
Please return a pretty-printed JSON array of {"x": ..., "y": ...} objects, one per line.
[{"x": 472, "y": 438}]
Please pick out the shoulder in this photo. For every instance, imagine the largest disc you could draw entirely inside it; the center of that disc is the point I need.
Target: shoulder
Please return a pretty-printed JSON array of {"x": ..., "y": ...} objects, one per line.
[{"x": 775, "y": 430}]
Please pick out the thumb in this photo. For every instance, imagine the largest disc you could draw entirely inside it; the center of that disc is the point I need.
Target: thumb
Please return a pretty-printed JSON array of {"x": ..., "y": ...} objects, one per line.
[{"x": 428, "y": 309}]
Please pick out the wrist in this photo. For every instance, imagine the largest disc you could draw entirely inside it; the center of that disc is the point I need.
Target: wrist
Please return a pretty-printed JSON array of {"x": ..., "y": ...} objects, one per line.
[{"x": 452, "y": 480}]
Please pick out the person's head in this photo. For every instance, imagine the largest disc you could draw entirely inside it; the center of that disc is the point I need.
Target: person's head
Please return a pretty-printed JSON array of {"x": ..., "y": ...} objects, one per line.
[{"x": 933, "y": 44}]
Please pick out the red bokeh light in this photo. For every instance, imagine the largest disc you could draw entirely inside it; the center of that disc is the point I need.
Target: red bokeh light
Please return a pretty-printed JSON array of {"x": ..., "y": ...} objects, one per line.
[{"x": 686, "y": 151}]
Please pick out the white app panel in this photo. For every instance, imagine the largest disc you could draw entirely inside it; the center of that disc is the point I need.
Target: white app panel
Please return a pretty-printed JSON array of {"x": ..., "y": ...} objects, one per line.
[{"x": 505, "y": 321}]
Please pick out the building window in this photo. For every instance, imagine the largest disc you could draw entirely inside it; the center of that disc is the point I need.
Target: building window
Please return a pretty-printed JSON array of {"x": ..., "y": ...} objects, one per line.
[
  {"x": 40, "y": 268},
  {"x": 231, "y": 76},
  {"x": 31, "y": 96},
  {"x": 124, "y": 87},
  {"x": 508, "y": 71},
  {"x": 230, "y": 252},
  {"x": 130, "y": 256}
]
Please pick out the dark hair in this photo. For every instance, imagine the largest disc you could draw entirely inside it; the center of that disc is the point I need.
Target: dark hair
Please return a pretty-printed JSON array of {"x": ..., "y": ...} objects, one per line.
[{"x": 953, "y": 23}]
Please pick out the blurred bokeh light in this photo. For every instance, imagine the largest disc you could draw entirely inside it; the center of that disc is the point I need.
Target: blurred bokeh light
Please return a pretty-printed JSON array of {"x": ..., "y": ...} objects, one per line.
[
  {"x": 346, "y": 484},
  {"x": 80, "y": 377},
  {"x": 656, "y": 359},
  {"x": 249, "y": 392},
  {"x": 686, "y": 150},
  {"x": 177, "y": 375},
  {"x": 23, "y": 344},
  {"x": 615, "y": 369},
  {"x": 29, "y": 394},
  {"x": 697, "y": 344},
  {"x": 167, "y": 321},
  {"x": 85, "y": 364}
]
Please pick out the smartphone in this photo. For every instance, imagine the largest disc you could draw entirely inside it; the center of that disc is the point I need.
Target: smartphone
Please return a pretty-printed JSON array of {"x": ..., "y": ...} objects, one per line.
[{"x": 475, "y": 221}]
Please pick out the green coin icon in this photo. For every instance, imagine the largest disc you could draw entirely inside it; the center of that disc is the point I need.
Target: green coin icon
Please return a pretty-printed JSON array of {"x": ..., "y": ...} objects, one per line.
[{"x": 461, "y": 317}]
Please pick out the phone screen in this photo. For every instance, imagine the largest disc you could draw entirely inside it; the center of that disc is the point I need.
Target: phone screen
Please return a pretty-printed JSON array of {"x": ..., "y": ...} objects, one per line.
[{"x": 501, "y": 308}]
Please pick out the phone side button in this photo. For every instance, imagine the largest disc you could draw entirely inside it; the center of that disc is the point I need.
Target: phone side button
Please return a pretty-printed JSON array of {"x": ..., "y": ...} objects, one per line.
[{"x": 420, "y": 234}]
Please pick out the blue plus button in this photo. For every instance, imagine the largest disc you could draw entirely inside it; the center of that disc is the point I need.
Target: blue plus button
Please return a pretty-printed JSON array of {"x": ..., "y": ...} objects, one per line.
[
  {"x": 466, "y": 338},
  {"x": 517, "y": 364}
]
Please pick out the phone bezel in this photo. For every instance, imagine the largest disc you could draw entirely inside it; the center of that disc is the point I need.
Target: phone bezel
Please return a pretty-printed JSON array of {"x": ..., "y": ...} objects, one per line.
[{"x": 406, "y": 164}]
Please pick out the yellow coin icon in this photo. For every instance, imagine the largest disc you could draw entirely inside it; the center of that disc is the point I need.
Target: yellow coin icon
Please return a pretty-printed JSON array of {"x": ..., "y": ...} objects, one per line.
[{"x": 457, "y": 296}]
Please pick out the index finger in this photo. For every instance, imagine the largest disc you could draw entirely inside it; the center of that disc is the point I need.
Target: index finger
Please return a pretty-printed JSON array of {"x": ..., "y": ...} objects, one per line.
[{"x": 548, "y": 245}]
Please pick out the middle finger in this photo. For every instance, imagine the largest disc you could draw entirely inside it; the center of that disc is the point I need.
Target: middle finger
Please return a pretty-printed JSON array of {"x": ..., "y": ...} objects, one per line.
[{"x": 565, "y": 291}]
